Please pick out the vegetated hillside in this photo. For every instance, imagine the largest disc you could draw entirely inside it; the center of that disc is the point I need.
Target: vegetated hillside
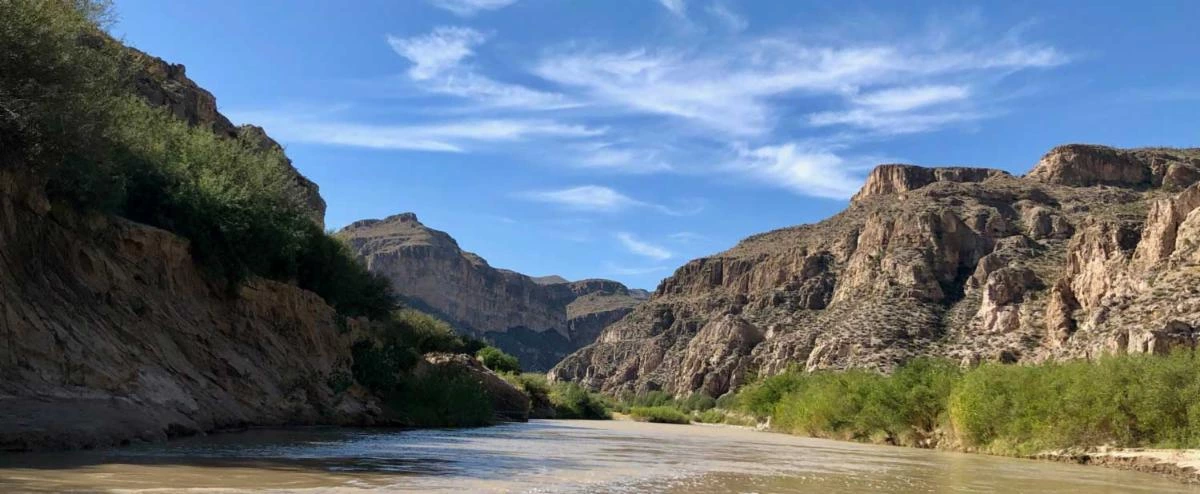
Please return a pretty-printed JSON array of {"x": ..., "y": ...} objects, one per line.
[
  {"x": 1094, "y": 251},
  {"x": 540, "y": 320},
  {"x": 164, "y": 273}
]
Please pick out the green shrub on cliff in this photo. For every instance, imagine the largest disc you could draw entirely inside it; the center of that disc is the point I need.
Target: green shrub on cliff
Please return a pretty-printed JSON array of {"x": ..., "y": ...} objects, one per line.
[
  {"x": 69, "y": 114},
  {"x": 495, "y": 359},
  {"x": 59, "y": 86},
  {"x": 441, "y": 398}
]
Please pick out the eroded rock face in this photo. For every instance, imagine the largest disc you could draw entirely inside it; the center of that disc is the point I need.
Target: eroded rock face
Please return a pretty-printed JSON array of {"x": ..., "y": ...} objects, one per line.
[
  {"x": 895, "y": 179},
  {"x": 967, "y": 264},
  {"x": 167, "y": 85},
  {"x": 1082, "y": 165},
  {"x": 109, "y": 332},
  {"x": 538, "y": 320}
]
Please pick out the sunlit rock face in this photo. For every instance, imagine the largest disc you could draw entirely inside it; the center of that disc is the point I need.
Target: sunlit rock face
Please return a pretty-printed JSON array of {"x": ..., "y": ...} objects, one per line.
[
  {"x": 540, "y": 320},
  {"x": 1094, "y": 251}
]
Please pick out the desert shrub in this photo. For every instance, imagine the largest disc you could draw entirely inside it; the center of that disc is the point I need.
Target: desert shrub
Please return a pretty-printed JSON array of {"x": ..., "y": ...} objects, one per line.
[
  {"x": 423, "y": 333},
  {"x": 59, "y": 83},
  {"x": 659, "y": 414},
  {"x": 1129, "y": 400},
  {"x": 711, "y": 416},
  {"x": 760, "y": 397},
  {"x": 441, "y": 397},
  {"x": 728, "y": 401},
  {"x": 571, "y": 401},
  {"x": 697, "y": 402},
  {"x": 534, "y": 385},
  {"x": 537, "y": 388},
  {"x": 495, "y": 359}
]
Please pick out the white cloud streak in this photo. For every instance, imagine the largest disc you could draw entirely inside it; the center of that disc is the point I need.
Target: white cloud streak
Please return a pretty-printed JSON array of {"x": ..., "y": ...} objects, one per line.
[
  {"x": 439, "y": 66},
  {"x": 597, "y": 198},
  {"x": 606, "y": 156},
  {"x": 790, "y": 166},
  {"x": 633, "y": 270},
  {"x": 468, "y": 8},
  {"x": 587, "y": 198},
  {"x": 438, "y": 52},
  {"x": 734, "y": 92},
  {"x": 686, "y": 237},
  {"x": 727, "y": 17},
  {"x": 676, "y": 7},
  {"x": 641, "y": 248},
  {"x": 455, "y": 136}
]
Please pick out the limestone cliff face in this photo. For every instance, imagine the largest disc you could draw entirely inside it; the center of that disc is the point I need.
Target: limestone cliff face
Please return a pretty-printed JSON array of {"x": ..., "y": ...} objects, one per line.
[
  {"x": 167, "y": 85},
  {"x": 1094, "y": 251},
  {"x": 111, "y": 333},
  {"x": 539, "y": 320}
]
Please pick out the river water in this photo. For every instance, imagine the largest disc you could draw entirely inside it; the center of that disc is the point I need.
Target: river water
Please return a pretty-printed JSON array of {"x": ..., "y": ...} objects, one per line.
[{"x": 548, "y": 456}]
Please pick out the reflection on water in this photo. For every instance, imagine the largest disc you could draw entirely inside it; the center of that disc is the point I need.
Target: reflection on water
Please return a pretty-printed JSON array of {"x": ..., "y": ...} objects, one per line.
[{"x": 548, "y": 456}]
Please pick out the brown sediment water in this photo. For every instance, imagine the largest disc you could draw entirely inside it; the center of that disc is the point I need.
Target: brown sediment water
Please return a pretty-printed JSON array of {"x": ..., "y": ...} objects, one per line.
[{"x": 549, "y": 456}]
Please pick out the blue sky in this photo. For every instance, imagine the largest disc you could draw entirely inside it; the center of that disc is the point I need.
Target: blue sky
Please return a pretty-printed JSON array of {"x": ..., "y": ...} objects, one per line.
[{"x": 621, "y": 138}]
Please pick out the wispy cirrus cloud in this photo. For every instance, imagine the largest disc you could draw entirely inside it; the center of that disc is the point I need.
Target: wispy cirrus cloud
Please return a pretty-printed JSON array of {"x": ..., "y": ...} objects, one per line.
[
  {"x": 686, "y": 237},
  {"x": 783, "y": 111},
  {"x": 587, "y": 198},
  {"x": 618, "y": 269},
  {"x": 725, "y": 15},
  {"x": 449, "y": 136},
  {"x": 439, "y": 65},
  {"x": 642, "y": 248},
  {"x": 468, "y": 8},
  {"x": 608, "y": 156},
  {"x": 438, "y": 52},
  {"x": 811, "y": 172},
  {"x": 734, "y": 91},
  {"x": 677, "y": 7},
  {"x": 597, "y": 198}
]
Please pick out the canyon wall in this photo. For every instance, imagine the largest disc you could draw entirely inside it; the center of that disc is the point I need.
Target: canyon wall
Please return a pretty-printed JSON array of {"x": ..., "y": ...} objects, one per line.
[
  {"x": 1096, "y": 250},
  {"x": 112, "y": 333},
  {"x": 540, "y": 320}
]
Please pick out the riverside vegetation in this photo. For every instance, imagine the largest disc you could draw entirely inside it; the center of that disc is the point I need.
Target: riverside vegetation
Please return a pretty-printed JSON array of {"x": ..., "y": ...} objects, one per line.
[
  {"x": 1005, "y": 409},
  {"x": 1123, "y": 401}
]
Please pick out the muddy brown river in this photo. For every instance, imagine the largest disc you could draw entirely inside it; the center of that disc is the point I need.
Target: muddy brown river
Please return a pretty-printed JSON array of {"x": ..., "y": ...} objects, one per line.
[{"x": 548, "y": 456}]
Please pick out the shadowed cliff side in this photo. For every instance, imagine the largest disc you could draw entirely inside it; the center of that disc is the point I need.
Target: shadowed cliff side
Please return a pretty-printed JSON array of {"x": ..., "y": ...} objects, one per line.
[
  {"x": 539, "y": 320},
  {"x": 111, "y": 333}
]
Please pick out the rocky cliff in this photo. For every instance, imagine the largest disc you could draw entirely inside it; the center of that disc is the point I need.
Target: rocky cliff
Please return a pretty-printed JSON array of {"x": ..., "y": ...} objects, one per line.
[
  {"x": 112, "y": 333},
  {"x": 1094, "y": 251},
  {"x": 540, "y": 320},
  {"x": 167, "y": 85}
]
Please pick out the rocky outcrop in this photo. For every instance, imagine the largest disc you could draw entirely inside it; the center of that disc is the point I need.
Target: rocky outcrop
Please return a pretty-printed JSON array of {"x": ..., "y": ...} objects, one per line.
[
  {"x": 167, "y": 85},
  {"x": 1095, "y": 251},
  {"x": 111, "y": 333},
  {"x": 895, "y": 179},
  {"x": 539, "y": 320},
  {"x": 1083, "y": 165},
  {"x": 508, "y": 403}
]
